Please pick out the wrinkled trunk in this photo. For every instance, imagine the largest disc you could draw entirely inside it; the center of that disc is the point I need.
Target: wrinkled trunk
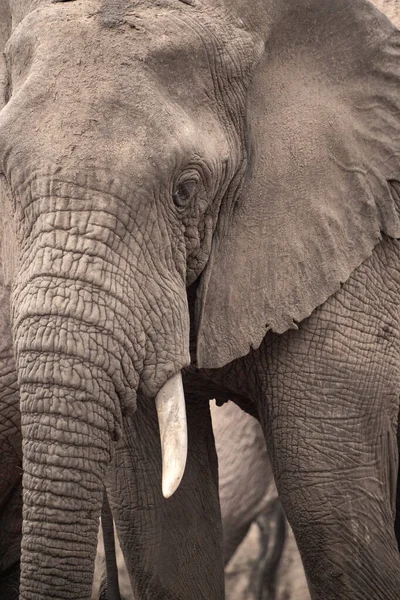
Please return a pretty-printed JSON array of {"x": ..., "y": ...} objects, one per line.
[
  {"x": 60, "y": 518},
  {"x": 67, "y": 426},
  {"x": 81, "y": 353}
]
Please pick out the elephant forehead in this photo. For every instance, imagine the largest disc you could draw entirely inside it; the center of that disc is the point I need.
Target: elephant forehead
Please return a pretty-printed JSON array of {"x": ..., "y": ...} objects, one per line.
[
  {"x": 109, "y": 93},
  {"x": 111, "y": 41}
]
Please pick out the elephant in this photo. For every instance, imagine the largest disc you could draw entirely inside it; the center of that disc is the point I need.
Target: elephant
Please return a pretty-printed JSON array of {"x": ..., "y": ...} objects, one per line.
[
  {"x": 200, "y": 199},
  {"x": 260, "y": 554}
]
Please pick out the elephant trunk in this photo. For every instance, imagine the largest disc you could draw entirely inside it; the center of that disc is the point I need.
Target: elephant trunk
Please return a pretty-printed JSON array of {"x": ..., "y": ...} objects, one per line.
[
  {"x": 63, "y": 486},
  {"x": 80, "y": 311},
  {"x": 68, "y": 428}
]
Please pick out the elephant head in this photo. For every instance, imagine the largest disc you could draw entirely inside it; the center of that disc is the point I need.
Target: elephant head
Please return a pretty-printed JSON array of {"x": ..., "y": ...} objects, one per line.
[{"x": 144, "y": 146}]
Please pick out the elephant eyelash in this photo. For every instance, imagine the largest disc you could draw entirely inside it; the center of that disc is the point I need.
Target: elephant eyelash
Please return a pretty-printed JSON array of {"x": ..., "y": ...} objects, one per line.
[{"x": 186, "y": 189}]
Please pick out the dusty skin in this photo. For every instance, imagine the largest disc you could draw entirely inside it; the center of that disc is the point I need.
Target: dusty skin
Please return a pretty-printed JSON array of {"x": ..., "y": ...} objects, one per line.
[{"x": 211, "y": 189}]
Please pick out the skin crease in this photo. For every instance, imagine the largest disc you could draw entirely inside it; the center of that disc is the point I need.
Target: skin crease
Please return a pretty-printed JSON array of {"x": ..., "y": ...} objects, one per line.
[{"x": 105, "y": 250}]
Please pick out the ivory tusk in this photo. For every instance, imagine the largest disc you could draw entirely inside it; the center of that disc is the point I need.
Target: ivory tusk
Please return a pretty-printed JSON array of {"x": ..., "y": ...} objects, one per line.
[{"x": 171, "y": 411}]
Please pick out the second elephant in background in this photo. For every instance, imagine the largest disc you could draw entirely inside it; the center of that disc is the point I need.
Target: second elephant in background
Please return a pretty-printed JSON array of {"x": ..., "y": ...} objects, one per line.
[{"x": 261, "y": 557}]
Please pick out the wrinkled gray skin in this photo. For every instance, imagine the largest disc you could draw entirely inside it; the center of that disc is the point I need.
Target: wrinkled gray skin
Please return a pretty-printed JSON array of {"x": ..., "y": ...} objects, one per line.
[
  {"x": 260, "y": 554},
  {"x": 253, "y": 150}
]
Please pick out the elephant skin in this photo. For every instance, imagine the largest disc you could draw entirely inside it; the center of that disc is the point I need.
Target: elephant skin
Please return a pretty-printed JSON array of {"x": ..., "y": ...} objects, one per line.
[
  {"x": 206, "y": 190},
  {"x": 250, "y": 516}
]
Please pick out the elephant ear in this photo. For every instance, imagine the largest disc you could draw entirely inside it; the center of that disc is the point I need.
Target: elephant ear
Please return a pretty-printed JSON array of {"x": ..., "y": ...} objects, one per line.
[{"x": 323, "y": 129}]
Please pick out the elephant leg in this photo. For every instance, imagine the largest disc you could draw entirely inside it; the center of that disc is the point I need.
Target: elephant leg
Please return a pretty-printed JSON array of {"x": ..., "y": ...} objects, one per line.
[
  {"x": 330, "y": 417},
  {"x": 172, "y": 547},
  {"x": 245, "y": 475},
  {"x": 272, "y": 526},
  {"x": 107, "y": 524}
]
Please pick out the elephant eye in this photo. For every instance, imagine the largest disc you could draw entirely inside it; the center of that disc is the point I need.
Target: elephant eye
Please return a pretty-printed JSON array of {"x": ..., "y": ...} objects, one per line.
[{"x": 185, "y": 191}]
